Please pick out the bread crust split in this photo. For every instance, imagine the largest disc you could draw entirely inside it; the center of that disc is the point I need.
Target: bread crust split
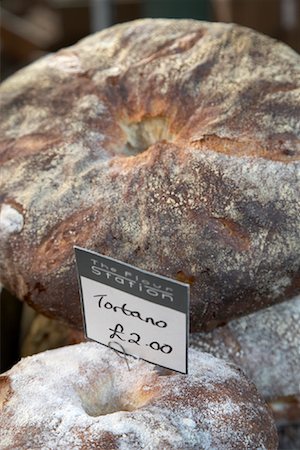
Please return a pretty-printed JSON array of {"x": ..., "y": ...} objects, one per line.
[{"x": 172, "y": 145}]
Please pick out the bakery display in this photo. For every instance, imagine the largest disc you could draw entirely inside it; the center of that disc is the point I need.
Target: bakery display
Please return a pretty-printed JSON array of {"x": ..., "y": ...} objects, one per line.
[
  {"x": 265, "y": 345},
  {"x": 172, "y": 145},
  {"x": 84, "y": 397}
]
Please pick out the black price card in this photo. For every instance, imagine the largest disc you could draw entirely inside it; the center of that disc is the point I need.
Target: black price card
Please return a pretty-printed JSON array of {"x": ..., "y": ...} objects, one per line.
[{"x": 144, "y": 314}]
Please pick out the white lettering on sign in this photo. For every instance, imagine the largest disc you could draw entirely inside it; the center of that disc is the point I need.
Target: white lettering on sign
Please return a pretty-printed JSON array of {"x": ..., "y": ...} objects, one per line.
[{"x": 127, "y": 279}]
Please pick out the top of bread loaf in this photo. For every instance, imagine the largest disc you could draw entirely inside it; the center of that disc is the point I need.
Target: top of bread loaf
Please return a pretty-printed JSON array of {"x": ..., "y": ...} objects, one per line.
[
  {"x": 170, "y": 144},
  {"x": 83, "y": 397}
]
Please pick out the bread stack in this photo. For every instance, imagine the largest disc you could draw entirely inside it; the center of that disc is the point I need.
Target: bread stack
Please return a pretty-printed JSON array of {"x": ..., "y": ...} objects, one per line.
[{"x": 172, "y": 146}]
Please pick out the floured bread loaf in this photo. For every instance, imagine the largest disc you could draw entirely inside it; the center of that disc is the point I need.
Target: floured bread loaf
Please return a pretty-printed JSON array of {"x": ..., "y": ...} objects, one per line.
[
  {"x": 172, "y": 145},
  {"x": 83, "y": 397},
  {"x": 265, "y": 345}
]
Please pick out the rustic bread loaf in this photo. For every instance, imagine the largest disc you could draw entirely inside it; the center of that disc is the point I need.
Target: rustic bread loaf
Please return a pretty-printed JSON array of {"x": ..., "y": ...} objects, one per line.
[
  {"x": 83, "y": 397},
  {"x": 265, "y": 345},
  {"x": 172, "y": 145}
]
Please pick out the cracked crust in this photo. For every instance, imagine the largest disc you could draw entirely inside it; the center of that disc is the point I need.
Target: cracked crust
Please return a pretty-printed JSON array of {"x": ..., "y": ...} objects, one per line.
[{"x": 170, "y": 145}]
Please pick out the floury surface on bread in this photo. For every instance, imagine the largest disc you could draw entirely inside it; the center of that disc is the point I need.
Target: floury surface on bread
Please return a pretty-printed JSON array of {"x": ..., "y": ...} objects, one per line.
[
  {"x": 84, "y": 397},
  {"x": 172, "y": 145},
  {"x": 264, "y": 344}
]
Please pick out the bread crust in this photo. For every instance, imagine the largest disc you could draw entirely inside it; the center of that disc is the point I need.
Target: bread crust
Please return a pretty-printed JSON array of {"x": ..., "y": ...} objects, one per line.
[
  {"x": 172, "y": 145},
  {"x": 264, "y": 345},
  {"x": 84, "y": 397}
]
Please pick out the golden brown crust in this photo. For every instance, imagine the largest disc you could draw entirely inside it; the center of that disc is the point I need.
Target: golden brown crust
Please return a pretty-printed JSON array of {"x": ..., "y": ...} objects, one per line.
[
  {"x": 171, "y": 145},
  {"x": 5, "y": 391}
]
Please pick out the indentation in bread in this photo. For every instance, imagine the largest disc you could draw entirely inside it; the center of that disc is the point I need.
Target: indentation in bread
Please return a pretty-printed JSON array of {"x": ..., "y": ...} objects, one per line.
[
  {"x": 106, "y": 395},
  {"x": 143, "y": 134}
]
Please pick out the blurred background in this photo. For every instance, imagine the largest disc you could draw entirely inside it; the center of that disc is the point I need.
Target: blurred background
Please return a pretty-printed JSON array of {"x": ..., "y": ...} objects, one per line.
[{"x": 31, "y": 28}]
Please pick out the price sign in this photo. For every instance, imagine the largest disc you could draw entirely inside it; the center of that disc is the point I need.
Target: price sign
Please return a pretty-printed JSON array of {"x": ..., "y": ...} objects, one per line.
[{"x": 144, "y": 314}]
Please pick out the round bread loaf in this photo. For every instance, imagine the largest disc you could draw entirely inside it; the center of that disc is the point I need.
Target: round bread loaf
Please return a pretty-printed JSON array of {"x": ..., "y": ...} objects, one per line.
[
  {"x": 265, "y": 345},
  {"x": 84, "y": 397},
  {"x": 172, "y": 145}
]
